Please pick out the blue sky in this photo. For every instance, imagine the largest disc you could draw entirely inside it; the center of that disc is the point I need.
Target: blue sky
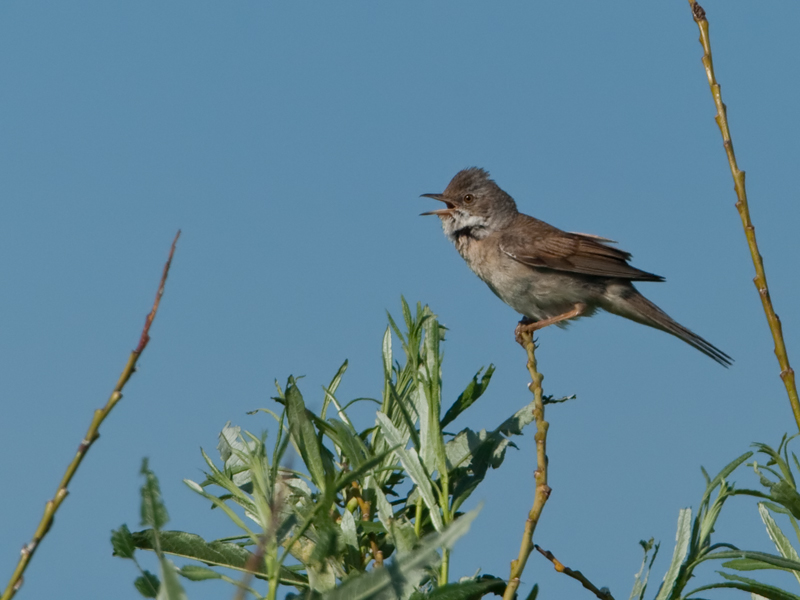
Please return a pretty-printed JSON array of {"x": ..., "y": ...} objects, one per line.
[{"x": 290, "y": 143}]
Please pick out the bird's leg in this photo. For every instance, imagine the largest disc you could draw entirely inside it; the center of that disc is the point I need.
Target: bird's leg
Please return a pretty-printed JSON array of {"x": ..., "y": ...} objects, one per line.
[{"x": 527, "y": 325}]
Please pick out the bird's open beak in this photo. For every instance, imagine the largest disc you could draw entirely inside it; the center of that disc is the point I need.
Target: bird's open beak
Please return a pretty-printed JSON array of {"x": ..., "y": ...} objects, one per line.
[{"x": 442, "y": 212}]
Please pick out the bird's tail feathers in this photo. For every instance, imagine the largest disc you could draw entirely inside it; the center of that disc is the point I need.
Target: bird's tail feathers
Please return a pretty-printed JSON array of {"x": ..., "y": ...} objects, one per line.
[{"x": 636, "y": 307}]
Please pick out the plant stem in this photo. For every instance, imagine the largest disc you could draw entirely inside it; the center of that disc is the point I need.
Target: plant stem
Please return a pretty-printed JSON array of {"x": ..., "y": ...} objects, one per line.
[
  {"x": 52, "y": 506},
  {"x": 418, "y": 518},
  {"x": 542, "y": 492},
  {"x": 603, "y": 594},
  {"x": 445, "y": 571},
  {"x": 760, "y": 280}
]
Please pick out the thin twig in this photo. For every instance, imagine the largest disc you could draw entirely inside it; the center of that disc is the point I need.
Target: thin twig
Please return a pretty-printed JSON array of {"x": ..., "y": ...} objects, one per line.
[
  {"x": 760, "y": 280},
  {"x": 542, "y": 492},
  {"x": 15, "y": 583},
  {"x": 603, "y": 594}
]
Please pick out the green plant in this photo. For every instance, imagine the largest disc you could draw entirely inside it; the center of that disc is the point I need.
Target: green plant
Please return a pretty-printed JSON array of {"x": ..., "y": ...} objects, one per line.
[{"x": 393, "y": 490}]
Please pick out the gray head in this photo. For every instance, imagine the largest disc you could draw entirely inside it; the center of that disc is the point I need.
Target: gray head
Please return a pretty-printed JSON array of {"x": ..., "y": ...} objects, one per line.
[{"x": 476, "y": 206}]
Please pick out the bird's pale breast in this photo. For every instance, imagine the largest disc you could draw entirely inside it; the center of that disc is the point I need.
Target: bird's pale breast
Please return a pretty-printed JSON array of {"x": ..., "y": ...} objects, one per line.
[{"x": 535, "y": 293}]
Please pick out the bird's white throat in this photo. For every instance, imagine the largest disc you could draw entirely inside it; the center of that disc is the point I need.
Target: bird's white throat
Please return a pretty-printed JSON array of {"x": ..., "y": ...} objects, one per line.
[{"x": 460, "y": 222}]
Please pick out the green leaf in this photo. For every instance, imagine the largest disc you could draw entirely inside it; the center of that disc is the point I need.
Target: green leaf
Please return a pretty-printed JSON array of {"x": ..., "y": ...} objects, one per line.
[
  {"x": 147, "y": 584},
  {"x": 400, "y": 530},
  {"x": 723, "y": 474},
  {"x": 775, "y": 458},
  {"x": 781, "y": 542},
  {"x": 348, "y": 529},
  {"x": 367, "y": 467},
  {"x": 640, "y": 582},
  {"x": 219, "y": 554},
  {"x": 122, "y": 542},
  {"x": 305, "y": 436},
  {"x": 534, "y": 592},
  {"x": 398, "y": 578},
  {"x": 748, "y": 585},
  {"x": 413, "y": 467},
  {"x": 232, "y": 450},
  {"x": 465, "y": 590},
  {"x": 748, "y": 564},
  {"x": 783, "y": 493},
  {"x": 461, "y": 448},
  {"x": 429, "y": 390},
  {"x": 471, "y": 393},
  {"x": 488, "y": 450},
  {"x": 352, "y": 448},
  {"x": 330, "y": 396},
  {"x": 171, "y": 588},
  {"x": 386, "y": 351},
  {"x": 221, "y": 504},
  {"x": 198, "y": 573},
  {"x": 770, "y": 559},
  {"x": 153, "y": 511},
  {"x": 682, "y": 537}
]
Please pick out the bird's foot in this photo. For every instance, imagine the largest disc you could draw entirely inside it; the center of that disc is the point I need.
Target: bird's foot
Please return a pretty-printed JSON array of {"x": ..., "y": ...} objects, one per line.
[{"x": 527, "y": 325}]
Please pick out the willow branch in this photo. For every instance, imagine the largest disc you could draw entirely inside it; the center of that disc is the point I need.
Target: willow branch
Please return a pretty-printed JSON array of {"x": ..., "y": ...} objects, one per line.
[
  {"x": 760, "y": 280},
  {"x": 603, "y": 594},
  {"x": 15, "y": 583},
  {"x": 542, "y": 492}
]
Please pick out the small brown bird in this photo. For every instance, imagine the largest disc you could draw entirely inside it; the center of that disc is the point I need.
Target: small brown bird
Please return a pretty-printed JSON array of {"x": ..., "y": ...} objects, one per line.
[{"x": 548, "y": 275}]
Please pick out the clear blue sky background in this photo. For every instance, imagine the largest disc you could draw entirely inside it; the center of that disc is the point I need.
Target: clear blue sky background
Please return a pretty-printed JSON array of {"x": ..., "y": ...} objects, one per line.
[{"x": 290, "y": 143}]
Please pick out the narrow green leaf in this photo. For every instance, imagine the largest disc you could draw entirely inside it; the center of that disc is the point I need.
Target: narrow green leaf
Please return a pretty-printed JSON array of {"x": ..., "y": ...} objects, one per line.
[
  {"x": 748, "y": 564},
  {"x": 198, "y": 573},
  {"x": 770, "y": 559},
  {"x": 682, "y": 537},
  {"x": 352, "y": 448},
  {"x": 413, "y": 467},
  {"x": 330, "y": 396},
  {"x": 216, "y": 553},
  {"x": 386, "y": 351},
  {"x": 122, "y": 542},
  {"x": 400, "y": 530},
  {"x": 304, "y": 436},
  {"x": 465, "y": 590},
  {"x": 221, "y": 504},
  {"x": 640, "y": 582},
  {"x": 171, "y": 588},
  {"x": 348, "y": 529},
  {"x": 467, "y": 398},
  {"x": 233, "y": 451},
  {"x": 153, "y": 511},
  {"x": 400, "y": 577},
  {"x": 365, "y": 468},
  {"x": 407, "y": 314},
  {"x": 723, "y": 474},
  {"x": 783, "y": 493},
  {"x": 748, "y": 585},
  {"x": 534, "y": 592},
  {"x": 147, "y": 584},
  {"x": 781, "y": 542}
]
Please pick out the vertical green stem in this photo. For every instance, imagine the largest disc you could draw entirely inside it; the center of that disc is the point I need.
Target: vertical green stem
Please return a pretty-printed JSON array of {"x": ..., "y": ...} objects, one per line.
[
  {"x": 760, "y": 280},
  {"x": 418, "y": 518}
]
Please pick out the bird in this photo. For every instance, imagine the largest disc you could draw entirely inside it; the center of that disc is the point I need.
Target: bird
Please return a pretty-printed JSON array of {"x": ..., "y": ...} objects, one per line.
[{"x": 547, "y": 275}]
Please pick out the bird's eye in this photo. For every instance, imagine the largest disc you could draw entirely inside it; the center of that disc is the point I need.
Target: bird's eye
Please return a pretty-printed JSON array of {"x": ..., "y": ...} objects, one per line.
[{"x": 468, "y": 198}]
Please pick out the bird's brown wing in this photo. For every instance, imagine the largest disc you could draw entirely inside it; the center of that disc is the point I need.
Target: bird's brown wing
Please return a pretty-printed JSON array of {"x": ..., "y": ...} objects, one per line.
[{"x": 537, "y": 244}]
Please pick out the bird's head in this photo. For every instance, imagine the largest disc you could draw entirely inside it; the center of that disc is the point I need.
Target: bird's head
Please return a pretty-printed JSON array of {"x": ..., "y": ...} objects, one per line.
[{"x": 474, "y": 205}]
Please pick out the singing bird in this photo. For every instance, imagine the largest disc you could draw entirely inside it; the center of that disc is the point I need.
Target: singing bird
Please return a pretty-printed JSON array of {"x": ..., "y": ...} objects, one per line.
[{"x": 548, "y": 275}]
